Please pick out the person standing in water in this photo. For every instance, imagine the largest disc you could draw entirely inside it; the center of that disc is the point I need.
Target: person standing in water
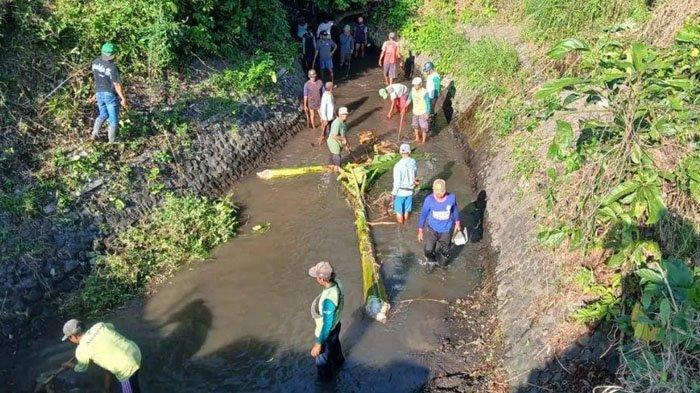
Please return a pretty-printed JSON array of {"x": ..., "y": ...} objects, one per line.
[
  {"x": 388, "y": 59},
  {"x": 361, "y": 36},
  {"x": 313, "y": 88},
  {"x": 432, "y": 84},
  {"x": 336, "y": 138},
  {"x": 326, "y": 311},
  {"x": 438, "y": 221},
  {"x": 327, "y": 111},
  {"x": 325, "y": 48},
  {"x": 404, "y": 184},
  {"x": 420, "y": 100},
  {"x": 347, "y": 44},
  {"x": 397, "y": 93}
]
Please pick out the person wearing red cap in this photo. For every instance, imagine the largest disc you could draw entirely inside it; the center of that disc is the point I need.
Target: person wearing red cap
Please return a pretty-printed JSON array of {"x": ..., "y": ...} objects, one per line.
[{"x": 326, "y": 311}]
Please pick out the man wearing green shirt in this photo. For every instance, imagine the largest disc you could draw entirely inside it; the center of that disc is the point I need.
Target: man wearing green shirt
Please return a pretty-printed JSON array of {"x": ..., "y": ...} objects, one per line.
[
  {"x": 104, "y": 346},
  {"x": 326, "y": 311},
  {"x": 336, "y": 138}
]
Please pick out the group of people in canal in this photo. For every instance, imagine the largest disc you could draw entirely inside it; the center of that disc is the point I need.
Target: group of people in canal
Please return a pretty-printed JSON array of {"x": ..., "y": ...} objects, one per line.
[{"x": 438, "y": 221}]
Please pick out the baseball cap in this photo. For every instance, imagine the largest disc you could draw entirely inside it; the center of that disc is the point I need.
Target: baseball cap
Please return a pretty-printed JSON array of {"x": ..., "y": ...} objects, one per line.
[
  {"x": 417, "y": 81},
  {"x": 347, "y": 28},
  {"x": 71, "y": 327},
  {"x": 108, "y": 50},
  {"x": 439, "y": 185},
  {"x": 428, "y": 66},
  {"x": 404, "y": 148},
  {"x": 322, "y": 270},
  {"x": 383, "y": 93},
  {"x": 342, "y": 111},
  {"x": 392, "y": 35}
]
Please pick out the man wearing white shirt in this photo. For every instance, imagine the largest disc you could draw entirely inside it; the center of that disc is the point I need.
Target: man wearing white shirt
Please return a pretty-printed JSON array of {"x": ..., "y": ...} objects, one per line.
[
  {"x": 324, "y": 26},
  {"x": 327, "y": 110}
]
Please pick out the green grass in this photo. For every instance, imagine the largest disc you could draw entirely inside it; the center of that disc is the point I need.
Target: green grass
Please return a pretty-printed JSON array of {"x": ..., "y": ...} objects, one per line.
[
  {"x": 182, "y": 230},
  {"x": 487, "y": 66},
  {"x": 552, "y": 20}
]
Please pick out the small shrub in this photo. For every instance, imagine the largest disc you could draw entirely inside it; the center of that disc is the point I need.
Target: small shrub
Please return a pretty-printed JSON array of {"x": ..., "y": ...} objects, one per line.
[{"x": 182, "y": 230}]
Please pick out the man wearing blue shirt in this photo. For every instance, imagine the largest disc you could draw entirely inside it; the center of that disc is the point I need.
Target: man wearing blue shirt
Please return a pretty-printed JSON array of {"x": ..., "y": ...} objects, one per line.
[
  {"x": 326, "y": 310},
  {"x": 404, "y": 183},
  {"x": 441, "y": 212}
]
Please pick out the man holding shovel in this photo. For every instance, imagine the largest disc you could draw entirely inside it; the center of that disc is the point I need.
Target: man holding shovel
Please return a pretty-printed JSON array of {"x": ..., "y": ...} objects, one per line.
[
  {"x": 336, "y": 138},
  {"x": 398, "y": 95},
  {"x": 104, "y": 346}
]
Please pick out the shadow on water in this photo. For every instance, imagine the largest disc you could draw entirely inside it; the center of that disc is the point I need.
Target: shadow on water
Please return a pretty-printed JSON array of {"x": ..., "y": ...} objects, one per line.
[
  {"x": 172, "y": 363},
  {"x": 356, "y": 104}
]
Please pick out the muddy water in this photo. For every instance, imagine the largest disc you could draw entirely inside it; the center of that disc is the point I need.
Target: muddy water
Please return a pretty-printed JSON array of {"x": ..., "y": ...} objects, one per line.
[{"x": 241, "y": 322}]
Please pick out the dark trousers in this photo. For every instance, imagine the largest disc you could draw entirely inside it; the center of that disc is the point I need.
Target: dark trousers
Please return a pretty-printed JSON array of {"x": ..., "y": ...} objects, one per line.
[
  {"x": 331, "y": 357},
  {"x": 436, "y": 242}
]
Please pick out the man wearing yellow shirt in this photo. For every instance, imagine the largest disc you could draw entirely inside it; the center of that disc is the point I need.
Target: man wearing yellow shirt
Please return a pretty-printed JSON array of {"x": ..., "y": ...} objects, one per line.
[{"x": 104, "y": 346}]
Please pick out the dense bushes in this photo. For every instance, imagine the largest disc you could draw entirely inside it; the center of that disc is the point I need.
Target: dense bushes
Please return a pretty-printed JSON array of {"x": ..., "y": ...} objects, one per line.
[
  {"x": 636, "y": 174},
  {"x": 153, "y": 34},
  {"x": 182, "y": 230}
]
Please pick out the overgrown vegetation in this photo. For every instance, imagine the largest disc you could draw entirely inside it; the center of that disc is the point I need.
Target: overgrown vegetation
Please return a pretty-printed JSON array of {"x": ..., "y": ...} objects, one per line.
[
  {"x": 182, "y": 230},
  {"x": 557, "y": 19},
  {"x": 619, "y": 179},
  {"x": 431, "y": 27},
  {"x": 634, "y": 166}
]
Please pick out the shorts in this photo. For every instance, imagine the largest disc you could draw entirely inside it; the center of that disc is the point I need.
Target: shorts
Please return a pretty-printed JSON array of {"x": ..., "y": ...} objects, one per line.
[
  {"x": 326, "y": 64},
  {"x": 401, "y": 103},
  {"x": 390, "y": 70},
  {"x": 403, "y": 204},
  {"x": 314, "y": 103},
  {"x": 334, "y": 159},
  {"x": 420, "y": 121},
  {"x": 345, "y": 57}
]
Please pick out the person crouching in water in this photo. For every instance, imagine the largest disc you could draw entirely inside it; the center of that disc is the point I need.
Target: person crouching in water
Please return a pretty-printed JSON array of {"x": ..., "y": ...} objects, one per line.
[
  {"x": 104, "y": 346},
  {"x": 326, "y": 311},
  {"x": 404, "y": 183},
  {"x": 442, "y": 216},
  {"x": 398, "y": 95}
]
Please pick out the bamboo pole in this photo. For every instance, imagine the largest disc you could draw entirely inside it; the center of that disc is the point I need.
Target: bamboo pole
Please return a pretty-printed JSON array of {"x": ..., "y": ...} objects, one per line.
[{"x": 268, "y": 174}]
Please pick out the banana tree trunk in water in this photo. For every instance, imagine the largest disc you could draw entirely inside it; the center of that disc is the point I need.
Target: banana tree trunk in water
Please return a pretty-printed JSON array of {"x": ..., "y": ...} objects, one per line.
[
  {"x": 268, "y": 174},
  {"x": 376, "y": 300}
]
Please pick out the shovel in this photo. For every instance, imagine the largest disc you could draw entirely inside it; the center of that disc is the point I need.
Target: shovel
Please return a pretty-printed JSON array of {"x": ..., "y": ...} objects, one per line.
[{"x": 43, "y": 381}]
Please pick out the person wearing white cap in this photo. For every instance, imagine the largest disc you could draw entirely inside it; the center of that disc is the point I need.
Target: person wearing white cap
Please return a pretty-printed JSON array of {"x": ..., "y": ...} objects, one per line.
[
  {"x": 104, "y": 346},
  {"x": 420, "y": 100},
  {"x": 336, "y": 138},
  {"x": 398, "y": 94},
  {"x": 327, "y": 110},
  {"x": 404, "y": 184},
  {"x": 390, "y": 56},
  {"x": 326, "y": 311},
  {"x": 440, "y": 219}
]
